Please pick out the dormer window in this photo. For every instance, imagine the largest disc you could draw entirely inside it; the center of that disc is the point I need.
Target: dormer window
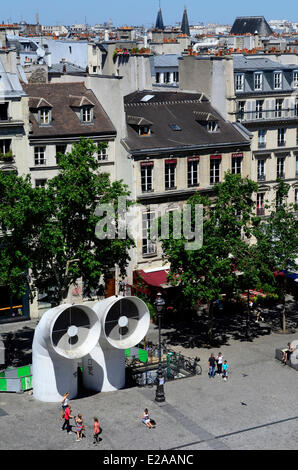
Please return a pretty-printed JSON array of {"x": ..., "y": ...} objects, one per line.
[
  {"x": 141, "y": 125},
  {"x": 87, "y": 114},
  {"x": 277, "y": 80},
  {"x": 144, "y": 130},
  {"x": 212, "y": 126},
  {"x": 207, "y": 120},
  {"x": 44, "y": 116}
]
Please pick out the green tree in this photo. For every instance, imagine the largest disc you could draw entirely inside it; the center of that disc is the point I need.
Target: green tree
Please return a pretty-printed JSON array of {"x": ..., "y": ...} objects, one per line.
[
  {"x": 206, "y": 273},
  {"x": 52, "y": 230},
  {"x": 277, "y": 239}
]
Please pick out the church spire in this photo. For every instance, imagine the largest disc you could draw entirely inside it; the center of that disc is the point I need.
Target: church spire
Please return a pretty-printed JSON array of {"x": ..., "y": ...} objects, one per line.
[
  {"x": 185, "y": 24},
  {"x": 159, "y": 21}
]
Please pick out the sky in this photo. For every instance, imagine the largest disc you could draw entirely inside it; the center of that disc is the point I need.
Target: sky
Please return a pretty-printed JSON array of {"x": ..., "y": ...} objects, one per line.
[{"x": 137, "y": 12}]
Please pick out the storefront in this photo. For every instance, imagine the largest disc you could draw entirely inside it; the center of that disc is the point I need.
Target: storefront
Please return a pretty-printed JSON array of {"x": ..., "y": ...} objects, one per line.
[{"x": 13, "y": 308}]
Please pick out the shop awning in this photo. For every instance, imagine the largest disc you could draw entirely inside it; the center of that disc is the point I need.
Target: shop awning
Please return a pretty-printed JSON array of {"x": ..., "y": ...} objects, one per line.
[{"x": 155, "y": 278}]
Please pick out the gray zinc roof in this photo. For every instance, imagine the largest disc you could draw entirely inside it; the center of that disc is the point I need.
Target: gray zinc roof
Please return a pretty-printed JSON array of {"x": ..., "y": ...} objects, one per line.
[
  {"x": 250, "y": 25},
  {"x": 263, "y": 63}
]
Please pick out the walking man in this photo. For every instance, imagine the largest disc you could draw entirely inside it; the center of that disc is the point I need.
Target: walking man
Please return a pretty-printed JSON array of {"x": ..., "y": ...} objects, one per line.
[
  {"x": 211, "y": 364},
  {"x": 67, "y": 417}
]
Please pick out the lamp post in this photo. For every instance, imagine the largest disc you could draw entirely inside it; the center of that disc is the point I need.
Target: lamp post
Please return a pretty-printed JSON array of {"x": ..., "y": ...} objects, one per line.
[{"x": 159, "y": 396}]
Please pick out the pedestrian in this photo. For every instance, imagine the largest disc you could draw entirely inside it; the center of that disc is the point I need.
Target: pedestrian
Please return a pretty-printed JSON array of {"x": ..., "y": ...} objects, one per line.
[
  {"x": 150, "y": 423},
  {"x": 258, "y": 314},
  {"x": 122, "y": 288},
  {"x": 97, "y": 431},
  {"x": 79, "y": 428},
  {"x": 64, "y": 403},
  {"x": 225, "y": 367},
  {"x": 287, "y": 354},
  {"x": 67, "y": 417},
  {"x": 211, "y": 364},
  {"x": 219, "y": 361}
]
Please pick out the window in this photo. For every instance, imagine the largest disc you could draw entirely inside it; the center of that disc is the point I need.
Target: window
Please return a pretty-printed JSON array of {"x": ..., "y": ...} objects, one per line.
[
  {"x": 259, "y": 109},
  {"x": 102, "y": 154},
  {"x": 40, "y": 183},
  {"x": 44, "y": 116},
  {"x": 60, "y": 149},
  {"x": 262, "y": 138},
  {"x": 239, "y": 82},
  {"x": 277, "y": 80},
  {"x": 94, "y": 69},
  {"x": 5, "y": 146},
  {"x": 261, "y": 169},
  {"x": 157, "y": 77},
  {"x": 39, "y": 155},
  {"x": 147, "y": 176},
  {"x": 215, "y": 170},
  {"x": 296, "y": 108},
  {"x": 148, "y": 246},
  {"x": 170, "y": 174},
  {"x": 278, "y": 107},
  {"x": 176, "y": 77},
  {"x": 175, "y": 127},
  {"x": 280, "y": 167},
  {"x": 295, "y": 79},
  {"x": 258, "y": 81},
  {"x": 4, "y": 112},
  {"x": 144, "y": 130},
  {"x": 260, "y": 204},
  {"x": 87, "y": 114},
  {"x": 212, "y": 126},
  {"x": 241, "y": 110},
  {"x": 167, "y": 77},
  {"x": 278, "y": 201},
  {"x": 296, "y": 166},
  {"x": 236, "y": 165},
  {"x": 281, "y": 136},
  {"x": 193, "y": 172}
]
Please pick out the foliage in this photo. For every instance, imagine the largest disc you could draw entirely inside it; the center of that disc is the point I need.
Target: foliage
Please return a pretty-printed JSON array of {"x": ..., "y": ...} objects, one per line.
[{"x": 51, "y": 227}]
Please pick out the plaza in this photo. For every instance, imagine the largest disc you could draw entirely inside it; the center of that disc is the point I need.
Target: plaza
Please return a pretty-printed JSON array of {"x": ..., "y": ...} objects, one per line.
[{"x": 254, "y": 409}]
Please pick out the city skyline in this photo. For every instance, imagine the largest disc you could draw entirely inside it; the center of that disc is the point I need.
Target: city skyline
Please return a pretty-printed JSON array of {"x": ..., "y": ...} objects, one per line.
[{"x": 130, "y": 12}]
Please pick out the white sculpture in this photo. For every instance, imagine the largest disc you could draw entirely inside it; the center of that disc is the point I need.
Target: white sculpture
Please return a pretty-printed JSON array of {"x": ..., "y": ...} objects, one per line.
[
  {"x": 97, "y": 336},
  {"x": 125, "y": 322},
  {"x": 63, "y": 335}
]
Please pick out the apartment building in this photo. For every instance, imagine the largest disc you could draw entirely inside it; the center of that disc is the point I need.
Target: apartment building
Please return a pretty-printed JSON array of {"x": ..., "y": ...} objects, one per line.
[
  {"x": 177, "y": 144},
  {"x": 59, "y": 115},
  {"x": 267, "y": 105}
]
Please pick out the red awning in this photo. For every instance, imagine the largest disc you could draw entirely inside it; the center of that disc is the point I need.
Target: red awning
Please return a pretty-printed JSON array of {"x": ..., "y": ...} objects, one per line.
[{"x": 155, "y": 278}]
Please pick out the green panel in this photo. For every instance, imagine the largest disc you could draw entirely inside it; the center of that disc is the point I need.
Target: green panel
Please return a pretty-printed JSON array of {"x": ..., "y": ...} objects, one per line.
[
  {"x": 143, "y": 355},
  {"x": 26, "y": 383},
  {"x": 3, "y": 385},
  {"x": 23, "y": 371},
  {"x": 127, "y": 352}
]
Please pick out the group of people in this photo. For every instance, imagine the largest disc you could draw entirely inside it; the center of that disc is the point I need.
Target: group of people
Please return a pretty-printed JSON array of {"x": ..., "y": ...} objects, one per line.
[
  {"x": 222, "y": 366},
  {"x": 80, "y": 427}
]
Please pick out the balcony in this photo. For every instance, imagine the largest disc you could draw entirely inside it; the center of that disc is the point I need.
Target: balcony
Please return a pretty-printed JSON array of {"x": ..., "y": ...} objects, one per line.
[
  {"x": 280, "y": 175},
  {"x": 6, "y": 157},
  {"x": 267, "y": 115},
  {"x": 281, "y": 143},
  {"x": 261, "y": 145}
]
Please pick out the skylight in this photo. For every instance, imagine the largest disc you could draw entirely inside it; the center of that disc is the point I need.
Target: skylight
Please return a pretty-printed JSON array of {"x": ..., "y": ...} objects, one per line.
[
  {"x": 175, "y": 127},
  {"x": 147, "y": 98}
]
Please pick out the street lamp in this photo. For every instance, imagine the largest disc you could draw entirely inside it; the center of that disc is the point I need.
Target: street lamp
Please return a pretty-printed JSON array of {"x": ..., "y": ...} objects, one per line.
[{"x": 159, "y": 396}]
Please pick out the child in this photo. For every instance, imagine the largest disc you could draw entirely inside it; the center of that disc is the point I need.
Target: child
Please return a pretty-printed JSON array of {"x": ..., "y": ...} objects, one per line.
[
  {"x": 225, "y": 367},
  {"x": 79, "y": 429},
  {"x": 97, "y": 431}
]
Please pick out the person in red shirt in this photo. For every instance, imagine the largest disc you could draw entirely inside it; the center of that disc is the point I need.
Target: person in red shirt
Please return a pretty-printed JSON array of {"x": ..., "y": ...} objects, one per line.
[
  {"x": 97, "y": 431},
  {"x": 67, "y": 417}
]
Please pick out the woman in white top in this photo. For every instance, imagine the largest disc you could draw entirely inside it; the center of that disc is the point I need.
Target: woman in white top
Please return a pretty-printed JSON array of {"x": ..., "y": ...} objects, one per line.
[{"x": 219, "y": 361}]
